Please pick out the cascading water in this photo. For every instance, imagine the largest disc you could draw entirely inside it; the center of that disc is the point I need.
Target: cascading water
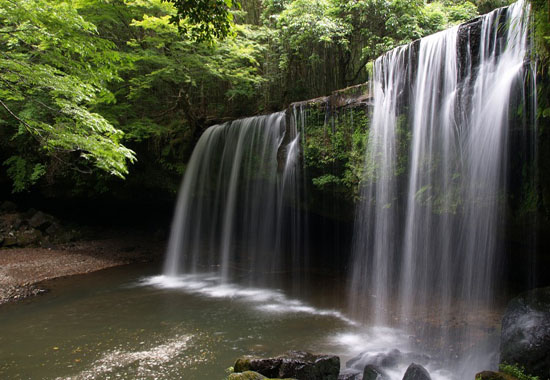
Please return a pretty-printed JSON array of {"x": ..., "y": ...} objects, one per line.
[
  {"x": 426, "y": 249},
  {"x": 232, "y": 217},
  {"x": 426, "y": 252}
]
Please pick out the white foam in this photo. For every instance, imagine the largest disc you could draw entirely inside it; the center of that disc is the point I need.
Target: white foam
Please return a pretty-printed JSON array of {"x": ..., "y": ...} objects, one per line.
[
  {"x": 374, "y": 341},
  {"x": 266, "y": 300}
]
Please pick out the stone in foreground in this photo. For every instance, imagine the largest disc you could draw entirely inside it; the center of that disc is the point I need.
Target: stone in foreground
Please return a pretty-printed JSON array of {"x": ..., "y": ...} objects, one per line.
[
  {"x": 416, "y": 372},
  {"x": 349, "y": 376},
  {"x": 294, "y": 364},
  {"x": 525, "y": 336}
]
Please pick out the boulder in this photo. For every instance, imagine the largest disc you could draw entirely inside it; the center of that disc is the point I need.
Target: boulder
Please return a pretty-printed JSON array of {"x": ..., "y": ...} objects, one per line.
[
  {"x": 372, "y": 372},
  {"x": 9, "y": 241},
  {"x": 294, "y": 364},
  {"x": 8, "y": 207},
  {"x": 29, "y": 213},
  {"x": 416, "y": 372},
  {"x": 389, "y": 359},
  {"x": 17, "y": 223},
  {"x": 266, "y": 366},
  {"x": 490, "y": 375},
  {"x": 28, "y": 237},
  {"x": 40, "y": 220},
  {"x": 53, "y": 229},
  {"x": 525, "y": 334},
  {"x": 349, "y": 376}
]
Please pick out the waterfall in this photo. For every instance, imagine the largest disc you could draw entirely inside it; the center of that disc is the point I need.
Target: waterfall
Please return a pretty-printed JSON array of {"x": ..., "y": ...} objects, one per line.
[
  {"x": 427, "y": 233},
  {"x": 427, "y": 248},
  {"x": 233, "y": 217}
]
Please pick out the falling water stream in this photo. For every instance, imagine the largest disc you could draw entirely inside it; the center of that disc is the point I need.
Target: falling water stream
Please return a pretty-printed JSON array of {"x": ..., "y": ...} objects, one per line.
[
  {"x": 427, "y": 249},
  {"x": 232, "y": 217}
]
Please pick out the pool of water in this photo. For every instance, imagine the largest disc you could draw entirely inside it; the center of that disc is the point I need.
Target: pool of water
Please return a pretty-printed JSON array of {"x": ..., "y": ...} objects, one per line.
[{"x": 131, "y": 323}]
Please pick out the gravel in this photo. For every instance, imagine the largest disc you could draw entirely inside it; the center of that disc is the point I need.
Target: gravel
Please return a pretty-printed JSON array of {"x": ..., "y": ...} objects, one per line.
[{"x": 23, "y": 269}]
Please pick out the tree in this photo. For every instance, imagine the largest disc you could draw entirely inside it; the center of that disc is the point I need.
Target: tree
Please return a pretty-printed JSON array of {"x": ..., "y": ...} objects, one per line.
[
  {"x": 53, "y": 74},
  {"x": 204, "y": 20}
]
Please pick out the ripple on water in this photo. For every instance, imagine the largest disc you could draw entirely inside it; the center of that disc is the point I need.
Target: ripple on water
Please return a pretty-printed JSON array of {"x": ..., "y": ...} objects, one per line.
[{"x": 153, "y": 362}]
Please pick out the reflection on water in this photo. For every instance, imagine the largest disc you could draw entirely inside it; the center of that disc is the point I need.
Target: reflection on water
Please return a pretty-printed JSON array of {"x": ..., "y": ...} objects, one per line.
[
  {"x": 127, "y": 323},
  {"x": 145, "y": 363}
]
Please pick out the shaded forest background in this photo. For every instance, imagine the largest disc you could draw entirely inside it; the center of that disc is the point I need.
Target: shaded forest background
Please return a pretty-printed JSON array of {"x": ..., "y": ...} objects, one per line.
[{"x": 106, "y": 98}]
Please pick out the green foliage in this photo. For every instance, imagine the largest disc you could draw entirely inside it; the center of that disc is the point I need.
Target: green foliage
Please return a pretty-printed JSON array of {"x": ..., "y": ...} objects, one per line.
[
  {"x": 23, "y": 173},
  {"x": 54, "y": 70},
  {"x": 516, "y": 371},
  {"x": 186, "y": 71},
  {"x": 176, "y": 86},
  {"x": 335, "y": 149},
  {"x": 80, "y": 78},
  {"x": 439, "y": 15},
  {"x": 376, "y": 26},
  {"x": 541, "y": 12},
  {"x": 204, "y": 20}
]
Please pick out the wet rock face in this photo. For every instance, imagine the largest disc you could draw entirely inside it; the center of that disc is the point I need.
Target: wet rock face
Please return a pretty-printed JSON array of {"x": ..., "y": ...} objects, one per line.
[
  {"x": 525, "y": 335},
  {"x": 468, "y": 39},
  {"x": 416, "y": 372},
  {"x": 294, "y": 364}
]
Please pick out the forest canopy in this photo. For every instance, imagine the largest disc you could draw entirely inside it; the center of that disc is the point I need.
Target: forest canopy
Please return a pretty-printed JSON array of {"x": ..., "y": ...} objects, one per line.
[{"x": 96, "y": 89}]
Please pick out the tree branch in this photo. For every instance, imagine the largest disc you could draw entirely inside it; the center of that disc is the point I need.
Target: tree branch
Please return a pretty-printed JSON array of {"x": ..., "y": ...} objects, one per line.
[{"x": 25, "y": 124}]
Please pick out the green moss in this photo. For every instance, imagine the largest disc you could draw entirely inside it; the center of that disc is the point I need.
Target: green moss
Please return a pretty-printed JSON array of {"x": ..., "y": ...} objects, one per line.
[
  {"x": 247, "y": 375},
  {"x": 516, "y": 371},
  {"x": 334, "y": 151},
  {"x": 250, "y": 375},
  {"x": 242, "y": 365}
]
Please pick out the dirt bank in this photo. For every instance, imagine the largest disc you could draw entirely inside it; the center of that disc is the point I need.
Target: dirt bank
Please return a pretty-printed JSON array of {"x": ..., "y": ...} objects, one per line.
[{"x": 22, "y": 269}]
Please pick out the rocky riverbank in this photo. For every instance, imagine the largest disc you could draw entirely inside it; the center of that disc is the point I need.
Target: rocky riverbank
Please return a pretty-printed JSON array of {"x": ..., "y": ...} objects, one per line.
[
  {"x": 35, "y": 247},
  {"x": 23, "y": 269}
]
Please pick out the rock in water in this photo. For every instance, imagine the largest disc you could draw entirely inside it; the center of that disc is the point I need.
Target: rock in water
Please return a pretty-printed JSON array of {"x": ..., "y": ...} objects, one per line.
[
  {"x": 525, "y": 335},
  {"x": 416, "y": 372},
  {"x": 388, "y": 359},
  {"x": 267, "y": 367},
  {"x": 294, "y": 364},
  {"x": 372, "y": 372},
  {"x": 349, "y": 376}
]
